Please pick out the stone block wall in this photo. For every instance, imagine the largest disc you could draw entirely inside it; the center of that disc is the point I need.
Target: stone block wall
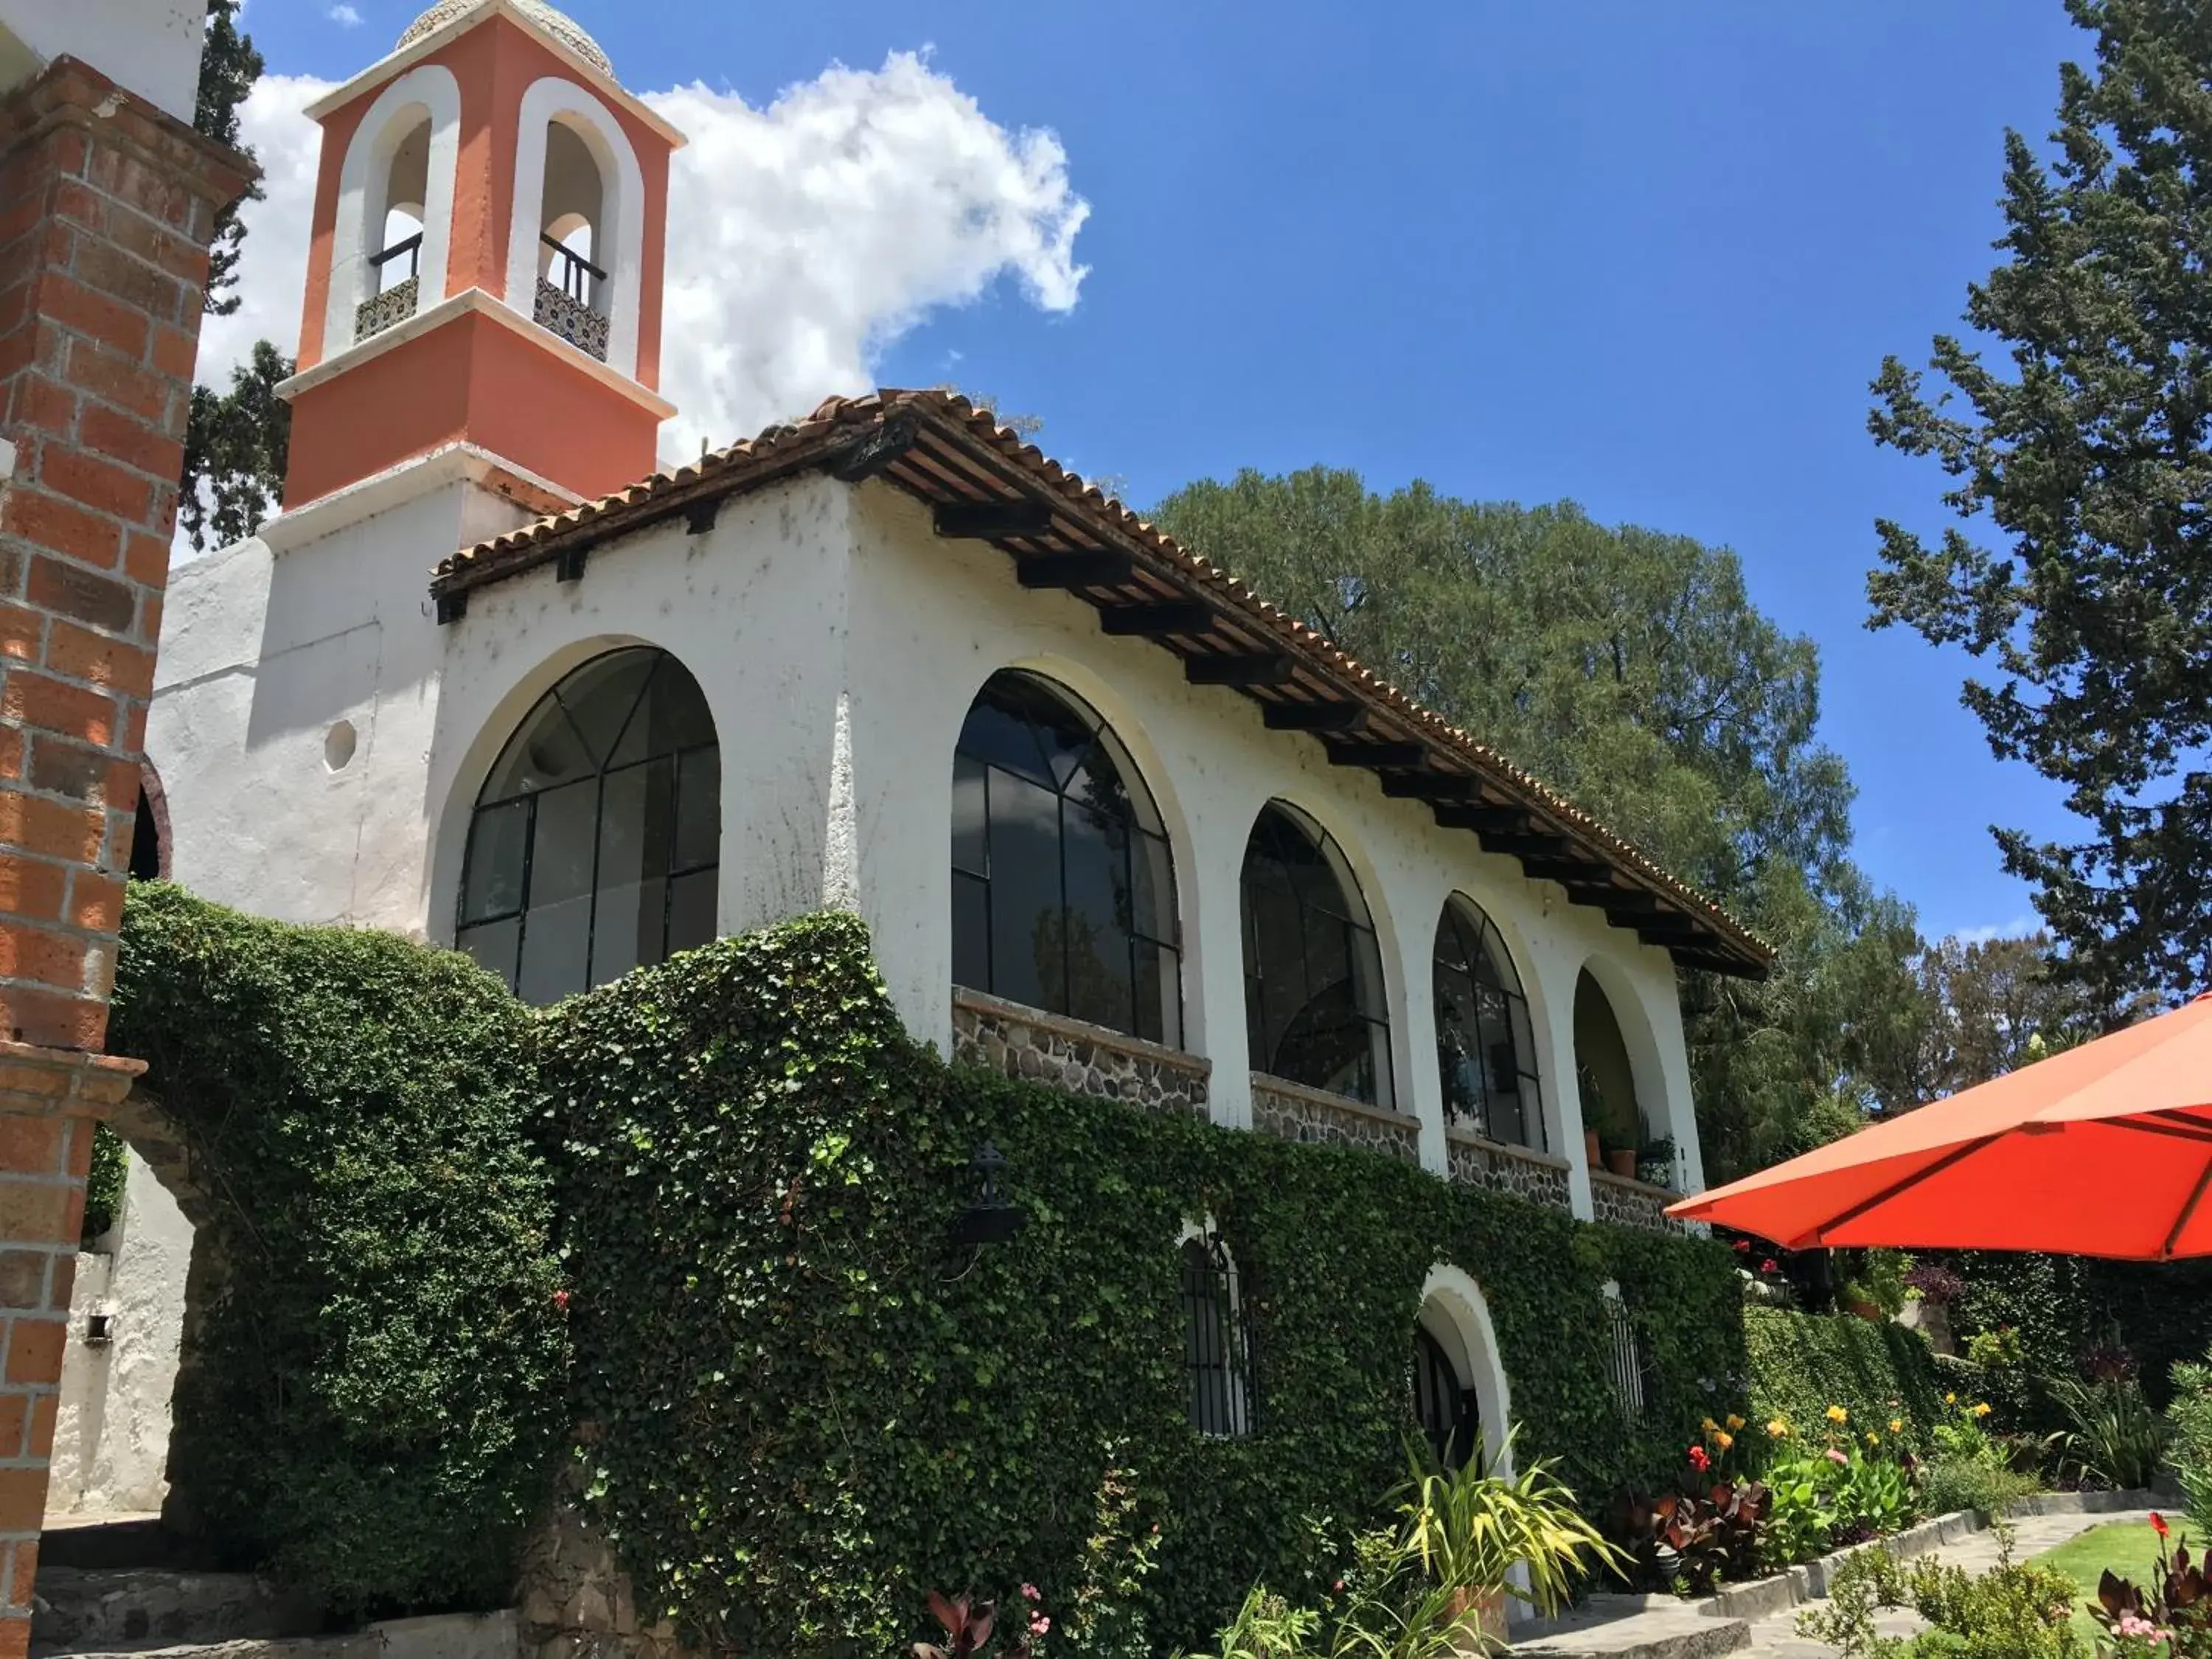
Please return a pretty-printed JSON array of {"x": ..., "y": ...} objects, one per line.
[
  {"x": 1520, "y": 1170},
  {"x": 1298, "y": 1113},
  {"x": 1079, "y": 1058},
  {"x": 1626, "y": 1203}
]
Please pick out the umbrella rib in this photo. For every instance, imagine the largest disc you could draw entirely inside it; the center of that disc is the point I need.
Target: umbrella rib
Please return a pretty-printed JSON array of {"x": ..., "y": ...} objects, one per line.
[
  {"x": 1891, "y": 1191},
  {"x": 2188, "y": 1210},
  {"x": 2180, "y": 1129}
]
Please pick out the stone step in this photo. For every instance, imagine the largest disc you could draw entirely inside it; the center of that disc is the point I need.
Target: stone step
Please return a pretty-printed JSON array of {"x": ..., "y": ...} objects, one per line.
[
  {"x": 438, "y": 1636},
  {"x": 81, "y": 1609},
  {"x": 1631, "y": 1627},
  {"x": 362, "y": 1644}
]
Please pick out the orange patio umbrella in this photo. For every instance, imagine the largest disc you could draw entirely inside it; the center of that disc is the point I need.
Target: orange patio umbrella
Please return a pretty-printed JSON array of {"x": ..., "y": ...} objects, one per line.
[{"x": 2104, "y": 1150}]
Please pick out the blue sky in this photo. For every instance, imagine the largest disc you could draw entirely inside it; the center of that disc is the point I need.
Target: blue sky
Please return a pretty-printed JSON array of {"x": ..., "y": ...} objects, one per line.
[{"x": 1646, "y": 257}]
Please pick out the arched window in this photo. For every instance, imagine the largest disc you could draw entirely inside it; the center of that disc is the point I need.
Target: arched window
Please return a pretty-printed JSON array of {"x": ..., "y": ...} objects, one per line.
[
  {"x": 1217, "y": 1337},
  {"x": 573, "y": 291},
  {"x": 395, "y": 261},
  {"x": 594, "y": 846},
  {"x": 1450, "y": 1422},
  {"x": 1485, "y": 1052},
  {"x": 1063, "y": 890},
  {"x": 1603, "y": 1073},
  {"x": 1314, "y": 1004}
]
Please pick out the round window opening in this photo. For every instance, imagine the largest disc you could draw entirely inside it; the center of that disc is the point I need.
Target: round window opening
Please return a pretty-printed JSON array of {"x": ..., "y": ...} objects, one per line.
[{"x": 338, "y": 746}]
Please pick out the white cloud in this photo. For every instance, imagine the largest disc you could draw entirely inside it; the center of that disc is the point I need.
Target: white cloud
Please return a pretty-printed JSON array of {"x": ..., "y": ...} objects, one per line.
[
  {"x": 2021, "y": 926},
  {"x": 804, "y": 238},
  {"x": 345, "y": 16}
]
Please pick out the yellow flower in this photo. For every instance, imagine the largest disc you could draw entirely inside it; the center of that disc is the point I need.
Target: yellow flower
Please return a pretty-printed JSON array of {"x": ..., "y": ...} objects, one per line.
[
  {"x": 1897, "y": 1426},
  {"x": 1724, "y": 1440},
  {"x": 1777, "y": 1428},
  {"x": 1873, "y": 1439},
  {"x": 1950, "y": 1399},
  {"x": 1838, "y": 1414},
  {"x": 1709, "y": 1426},
  {"x": 1982, "y": 1410},
  {"x": 1734, "y": 1422}
]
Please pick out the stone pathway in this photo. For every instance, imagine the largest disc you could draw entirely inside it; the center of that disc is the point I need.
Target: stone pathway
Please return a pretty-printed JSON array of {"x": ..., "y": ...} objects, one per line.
[{"x": 1658, "y": 1627}]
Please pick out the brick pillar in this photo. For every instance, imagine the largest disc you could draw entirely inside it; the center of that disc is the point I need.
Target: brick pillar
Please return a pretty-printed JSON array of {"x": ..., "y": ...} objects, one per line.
[{"x": 106, "y": 206}]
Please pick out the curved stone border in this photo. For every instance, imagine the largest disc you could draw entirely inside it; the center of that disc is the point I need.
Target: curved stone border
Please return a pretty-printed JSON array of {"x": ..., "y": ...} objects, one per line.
[
  {"x": 1080, "y": 1058},
  {"x": 1474, "y": 1160},
  {"x": 1627, "y": 1203},
  {"x": 1296, "y": 1112}
]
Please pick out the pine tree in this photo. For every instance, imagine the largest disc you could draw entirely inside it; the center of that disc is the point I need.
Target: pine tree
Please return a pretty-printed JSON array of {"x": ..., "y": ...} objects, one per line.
[
  {"x": 2077, "y": 444},
  {"x": 235, "y": 442}
]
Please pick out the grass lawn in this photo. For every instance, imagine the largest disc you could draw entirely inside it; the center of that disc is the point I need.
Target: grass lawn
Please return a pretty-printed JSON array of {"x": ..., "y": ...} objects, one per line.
[{"x": 2128, "y": 1548}]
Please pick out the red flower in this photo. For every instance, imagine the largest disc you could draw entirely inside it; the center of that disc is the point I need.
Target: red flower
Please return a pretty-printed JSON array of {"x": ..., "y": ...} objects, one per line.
[
  {"x": 1769, "y": 1266},
  {"x": 1743, "y": 1246},
  {"x": 561, "y": 1300},
  {"x": 1699, "y": 1460},
  {"x": 2158, "y": 1525}
]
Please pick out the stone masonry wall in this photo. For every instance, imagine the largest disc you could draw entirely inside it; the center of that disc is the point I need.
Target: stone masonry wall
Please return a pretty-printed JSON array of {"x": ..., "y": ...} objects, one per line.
[
  {"x": 106, "y": 206},
  {"x": 1476, "y": 1162},
  {"x": 1631, "y": 1204},
  {"x": 1298, "y": 1113},
  {"x": 1081, "y": 1059}
]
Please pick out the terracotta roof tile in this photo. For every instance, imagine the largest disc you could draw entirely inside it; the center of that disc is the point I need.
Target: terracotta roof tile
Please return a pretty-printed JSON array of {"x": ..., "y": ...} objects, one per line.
[{"x": 831, "y": 434}]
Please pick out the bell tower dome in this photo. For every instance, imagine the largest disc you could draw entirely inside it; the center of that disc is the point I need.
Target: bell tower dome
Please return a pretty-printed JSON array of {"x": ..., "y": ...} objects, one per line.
[{"x": 486, "y": 266}]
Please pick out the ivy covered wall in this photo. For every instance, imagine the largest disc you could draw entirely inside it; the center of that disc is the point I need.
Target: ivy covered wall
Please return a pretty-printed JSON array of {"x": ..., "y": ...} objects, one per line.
[{"x": 805, "y": 1408}]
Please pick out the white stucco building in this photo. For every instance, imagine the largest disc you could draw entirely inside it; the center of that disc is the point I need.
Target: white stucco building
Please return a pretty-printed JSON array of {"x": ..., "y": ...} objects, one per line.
[{"x": 1112, "y": 819}]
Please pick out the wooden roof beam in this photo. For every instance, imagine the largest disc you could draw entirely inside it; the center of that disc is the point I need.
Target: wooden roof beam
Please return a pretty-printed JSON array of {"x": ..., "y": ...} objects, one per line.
[
  {"x": 1270, "y": 668},
  {"x": 1072, "y": 570},
  {"x": 1382, "y": 757},
  {"x": 1153, "y": 621},
  {"x": 1313, "y": 716},
  {"x": 989, "y": 520}
]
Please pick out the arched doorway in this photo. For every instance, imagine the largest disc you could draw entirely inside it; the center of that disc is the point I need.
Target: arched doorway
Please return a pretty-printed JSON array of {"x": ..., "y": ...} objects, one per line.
[{"x": 1461, "y": 1399}]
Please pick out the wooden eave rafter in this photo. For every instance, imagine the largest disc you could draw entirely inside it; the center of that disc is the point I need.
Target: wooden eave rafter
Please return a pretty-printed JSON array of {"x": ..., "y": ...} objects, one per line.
[{"x": 981, "y": 482}]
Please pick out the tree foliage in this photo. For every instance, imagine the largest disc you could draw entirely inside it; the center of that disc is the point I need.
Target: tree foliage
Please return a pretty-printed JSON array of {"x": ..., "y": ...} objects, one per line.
[
  {"x": 1630, "y": 669},
  {"x": 235, "y": 441},
  {"x": 2082, "y": 570}
]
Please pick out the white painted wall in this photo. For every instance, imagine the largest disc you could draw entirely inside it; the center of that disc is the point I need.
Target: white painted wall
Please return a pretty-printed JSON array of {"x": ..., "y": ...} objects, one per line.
[
  {"x": 112, "y": 1433},
  {"x": 839, "y": 643},
  {"x": 151, "y": 47}
]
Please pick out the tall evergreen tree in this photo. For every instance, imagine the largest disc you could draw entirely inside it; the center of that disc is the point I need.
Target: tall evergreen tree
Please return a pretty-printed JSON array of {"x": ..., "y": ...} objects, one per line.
[
  {"x": 235, "y": 442},
  {"x": 1632, "y": 670},
  {"x": 2082, "y": 571}
]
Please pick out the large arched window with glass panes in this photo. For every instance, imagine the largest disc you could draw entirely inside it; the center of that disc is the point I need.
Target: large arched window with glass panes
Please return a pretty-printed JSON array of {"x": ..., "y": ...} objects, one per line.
[
  {"x": 1485, "y": 1053},
  {"x": 1314, "y": 1004},
  {"x": 1063, "y": 889},
  {"x": 594, "y": 844}
]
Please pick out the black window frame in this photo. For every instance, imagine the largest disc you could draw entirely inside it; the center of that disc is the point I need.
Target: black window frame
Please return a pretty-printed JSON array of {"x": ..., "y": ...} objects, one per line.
[
  {"x": 1479, "y": 942},
  {"x": 1445, "y": 1405},
  {"x": 1279, "y": 826},
  {"x": 1219, "y": 1353},
  {"x": 572, "y": 708},
  {"x": 1015, "y": 694}
]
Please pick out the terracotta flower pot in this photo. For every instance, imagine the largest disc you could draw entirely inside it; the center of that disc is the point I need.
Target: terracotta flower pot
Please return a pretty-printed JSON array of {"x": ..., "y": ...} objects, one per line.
[
  {"x": 1864, "y": 1309},
  {"x": 1491, "y": 1606},
  {"x": 1591, "y": 1153},
  {"x": 1622, "y": 1162}
]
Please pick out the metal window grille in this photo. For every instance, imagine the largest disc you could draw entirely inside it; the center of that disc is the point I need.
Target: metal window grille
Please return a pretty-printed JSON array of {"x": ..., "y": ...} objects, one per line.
[
  {"x": 1624, "y": 1359},
  {"x": 1216, "y": 1341},
  {"x": 1444, "y": 1406}
]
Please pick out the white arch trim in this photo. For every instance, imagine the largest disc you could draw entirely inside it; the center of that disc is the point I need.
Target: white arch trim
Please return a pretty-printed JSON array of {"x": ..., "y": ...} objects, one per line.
[
  {"x": 364, "y": 184},
  {"x": 1665, "y": 1109},
  {"x": 617, "y": 244},
  {"x": 1453, "y": 1312}
]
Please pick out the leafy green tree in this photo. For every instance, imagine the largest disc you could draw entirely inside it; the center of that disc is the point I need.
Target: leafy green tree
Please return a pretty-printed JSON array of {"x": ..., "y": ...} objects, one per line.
[
  {"x": 2082, "y": 571},
  {"x": 1630, "y": 669},
  {"x": 235, "y": 442}
]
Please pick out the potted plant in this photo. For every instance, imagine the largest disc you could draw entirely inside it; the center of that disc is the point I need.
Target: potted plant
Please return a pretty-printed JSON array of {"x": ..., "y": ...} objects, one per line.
[
  {"x": 1621, "y": 1160},
  {"x": 1470, "y": 1530},
  {"x": 1591, "y": 1154},
  {"x": 1654, "y": 1162},
  {"x": 1857, "y": 1299}
]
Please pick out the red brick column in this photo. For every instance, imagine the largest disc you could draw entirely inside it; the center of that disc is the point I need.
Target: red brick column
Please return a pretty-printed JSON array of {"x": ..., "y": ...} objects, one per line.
[{"x": 106, "y": 206}]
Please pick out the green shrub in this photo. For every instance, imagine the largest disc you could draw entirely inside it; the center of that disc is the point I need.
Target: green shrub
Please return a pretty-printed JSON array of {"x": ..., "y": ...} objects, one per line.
[
  {"x": 1802, "y": 1363},
  {"x": 1950, "y": 1484},
  {"x": 2189, "y": 1442},
  {"x": 367, "y": 1406},
  {"x": 810, "y": 1408},
  {"x": 103, "y": 1186},
  {"x": 2016, "y": 1610}
]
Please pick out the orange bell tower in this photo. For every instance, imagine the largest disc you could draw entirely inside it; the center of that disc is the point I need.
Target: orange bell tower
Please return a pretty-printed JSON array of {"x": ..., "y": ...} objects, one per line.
[{"x": 490, "y": 224}]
